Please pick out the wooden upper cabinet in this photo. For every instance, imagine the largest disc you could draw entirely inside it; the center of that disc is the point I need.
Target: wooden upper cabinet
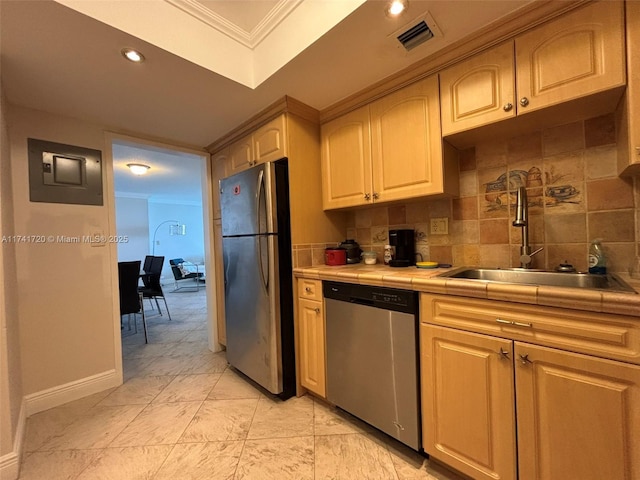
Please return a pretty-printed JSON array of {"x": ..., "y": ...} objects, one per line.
[
  {"x": 388, "y": 150},
  {"x": 578, "y": 415},
  {"x": 240, "y": 155},
  {"x": 573, "y": 56},
  {"x": 219, "y": 168},
  {"x": 406, "y": 152},
  {"x": 346, "y": 160},
  {"x": 478, "y": 91},
  {"x": 269, "y": 141},
  {"x": 627, "y": 118}
]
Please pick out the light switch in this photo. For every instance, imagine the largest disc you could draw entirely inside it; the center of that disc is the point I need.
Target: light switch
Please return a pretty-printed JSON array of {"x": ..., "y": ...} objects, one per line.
[
  {"x": 97, "y": 239},
  {"x": 439, "y": 226}
]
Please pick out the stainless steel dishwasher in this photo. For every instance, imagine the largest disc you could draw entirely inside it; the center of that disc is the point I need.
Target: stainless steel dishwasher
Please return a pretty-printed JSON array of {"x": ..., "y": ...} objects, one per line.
[{"x": 372, "y": 361}]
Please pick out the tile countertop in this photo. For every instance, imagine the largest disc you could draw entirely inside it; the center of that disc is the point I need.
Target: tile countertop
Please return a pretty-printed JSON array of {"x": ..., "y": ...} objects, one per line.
[{"x": 427, "y": 280}]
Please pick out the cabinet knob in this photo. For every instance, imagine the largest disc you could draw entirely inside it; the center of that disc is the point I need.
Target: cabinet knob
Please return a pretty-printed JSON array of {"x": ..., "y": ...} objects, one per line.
[
  {"x": 524, "y": 101},
  {"x": 317, "y": 310},
  {"x": 367, "y": 196},
  {"x": 638, "y": 150},
  {"x": 307, "y": 289},
  {"x": 507, "y": 107},
  {"x": 375, "y": 196},
  {"x": 525, "y": 359},
  {"x": 504, "y": 353}
]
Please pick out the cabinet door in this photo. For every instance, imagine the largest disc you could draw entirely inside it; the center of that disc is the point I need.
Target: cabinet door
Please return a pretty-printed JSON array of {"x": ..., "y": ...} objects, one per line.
[
  {"x": 312, "y": 345},
  {"x": 478, "y": 91},
  {"x": 468, "y": 401},
  {"x": 633, "y": 49},
  {"x": 219, "y": 272},
  {"x": 578, "y": 416},
  {"x": 240, "y": 155},
  {"x": 346, "y": 160},
  {"x": 219, "y": 167},
  {"x": 406, "y": 143},
  {"x": 628, "y": 121},
  {"x": 578, "y": 54},
  {"x": 269, "y": 141}
]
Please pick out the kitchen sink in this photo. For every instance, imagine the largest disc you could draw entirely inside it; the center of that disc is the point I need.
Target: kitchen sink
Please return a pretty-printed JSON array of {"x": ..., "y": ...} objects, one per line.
[{"x": 521, "y": 276}]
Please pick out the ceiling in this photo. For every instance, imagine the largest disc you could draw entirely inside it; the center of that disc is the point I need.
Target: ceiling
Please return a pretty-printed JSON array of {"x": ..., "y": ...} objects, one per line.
[
  {"x": 210, "y": 65},
  {"x": 59, "y": 60},
  {"x": 174, "y": 177}
]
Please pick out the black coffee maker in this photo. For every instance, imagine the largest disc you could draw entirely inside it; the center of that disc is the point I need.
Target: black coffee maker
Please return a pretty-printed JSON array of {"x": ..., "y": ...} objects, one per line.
[{"x": 405, "y": 248}]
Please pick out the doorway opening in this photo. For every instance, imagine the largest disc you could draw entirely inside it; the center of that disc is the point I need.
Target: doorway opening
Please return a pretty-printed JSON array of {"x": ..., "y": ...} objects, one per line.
[{"x": 165, "y": 212}]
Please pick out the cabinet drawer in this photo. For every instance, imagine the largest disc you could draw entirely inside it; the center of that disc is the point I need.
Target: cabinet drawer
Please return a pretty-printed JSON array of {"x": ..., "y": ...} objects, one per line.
[
  {"x": 608, "y": 336},
  {"x": 310, "y": 289}
]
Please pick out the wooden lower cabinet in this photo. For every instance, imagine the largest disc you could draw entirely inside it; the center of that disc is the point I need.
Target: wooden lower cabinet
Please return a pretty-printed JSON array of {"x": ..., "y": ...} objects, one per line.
[
  {"x": 468, "y": 402},
  {"x": 578, "y": 416},
  {"x": 219, "y": 277},
  {"x": 311, "y": 343}
]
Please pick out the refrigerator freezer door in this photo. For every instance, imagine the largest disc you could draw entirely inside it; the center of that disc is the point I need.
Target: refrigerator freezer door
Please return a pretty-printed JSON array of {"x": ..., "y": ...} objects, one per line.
[
  {"x": 252, "y": 309},
  {"x": 247, "y": 202}
]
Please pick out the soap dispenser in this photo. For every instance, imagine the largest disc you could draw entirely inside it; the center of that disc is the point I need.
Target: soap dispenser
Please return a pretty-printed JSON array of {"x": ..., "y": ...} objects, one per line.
[{"x": 597, "y": 260}]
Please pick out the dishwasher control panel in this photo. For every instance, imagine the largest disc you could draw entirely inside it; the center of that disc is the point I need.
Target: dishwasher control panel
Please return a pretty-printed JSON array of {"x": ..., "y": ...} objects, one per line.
[{"x": 381, "y": 297}]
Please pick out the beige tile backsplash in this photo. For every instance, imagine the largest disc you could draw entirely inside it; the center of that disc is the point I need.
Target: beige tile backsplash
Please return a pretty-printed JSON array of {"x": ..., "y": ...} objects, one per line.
[{"x": 574, "y": 194}]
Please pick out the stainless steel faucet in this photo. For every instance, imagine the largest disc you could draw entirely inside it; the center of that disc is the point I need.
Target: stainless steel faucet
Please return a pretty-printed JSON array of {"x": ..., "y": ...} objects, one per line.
[{"x": 522, "y": 221}]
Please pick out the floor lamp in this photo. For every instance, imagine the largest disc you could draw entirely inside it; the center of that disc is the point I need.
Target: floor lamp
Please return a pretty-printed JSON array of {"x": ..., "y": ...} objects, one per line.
[{"x": 176, "y": 228}]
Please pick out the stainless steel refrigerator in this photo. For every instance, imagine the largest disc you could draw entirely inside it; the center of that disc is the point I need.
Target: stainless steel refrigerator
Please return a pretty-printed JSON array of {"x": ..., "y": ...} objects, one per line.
[{"x": 256, "y": 244}]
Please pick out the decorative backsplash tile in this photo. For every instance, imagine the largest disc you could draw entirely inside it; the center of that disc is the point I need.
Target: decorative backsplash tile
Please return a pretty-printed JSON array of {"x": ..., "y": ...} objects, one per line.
[
  {"x": 564, "y": 138},
  {"x": 380, "y": 235},
  {"x": 574, "y": 194}
]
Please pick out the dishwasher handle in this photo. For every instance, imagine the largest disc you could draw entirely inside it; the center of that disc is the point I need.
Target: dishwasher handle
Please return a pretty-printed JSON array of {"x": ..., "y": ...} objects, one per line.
[{"x": 362, "y": 301}]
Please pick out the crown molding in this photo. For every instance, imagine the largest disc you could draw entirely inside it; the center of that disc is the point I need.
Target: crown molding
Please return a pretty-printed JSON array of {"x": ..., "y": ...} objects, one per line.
[{"x": 249, "y": 39}]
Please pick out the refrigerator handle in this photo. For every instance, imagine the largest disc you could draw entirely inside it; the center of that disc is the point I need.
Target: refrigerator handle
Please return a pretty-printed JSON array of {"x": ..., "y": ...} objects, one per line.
[
  {"x": 225, "y": 263},
  {"x": 259, "y": 193},
  {"x": 265, "y": 280},
  {"x": 260, "y": 190}
]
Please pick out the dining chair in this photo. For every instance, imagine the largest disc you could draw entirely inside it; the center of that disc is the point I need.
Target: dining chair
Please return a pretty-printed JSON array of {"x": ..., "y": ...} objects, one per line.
[
  {"x": 130, "y": 297},
  {"x": 152, "y": 288},
  {"x": 146, "y": 266}
]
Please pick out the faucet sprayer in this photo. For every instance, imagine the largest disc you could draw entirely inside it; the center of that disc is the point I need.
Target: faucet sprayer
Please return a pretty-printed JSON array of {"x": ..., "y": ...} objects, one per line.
[
  {"x": 521, "y": 208},
  {"x": 522, "y": 221}
]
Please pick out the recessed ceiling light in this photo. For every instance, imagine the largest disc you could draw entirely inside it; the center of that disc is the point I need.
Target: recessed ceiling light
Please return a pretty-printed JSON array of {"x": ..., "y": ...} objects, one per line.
[
  {"x": 396, "y": 7},
  {"x": 138, "y": 168},
  {"x": 132, "y": 55}
]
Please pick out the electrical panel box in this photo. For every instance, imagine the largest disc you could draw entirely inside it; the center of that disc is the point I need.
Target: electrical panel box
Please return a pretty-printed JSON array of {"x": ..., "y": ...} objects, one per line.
[{"x": 61, "y": 173}]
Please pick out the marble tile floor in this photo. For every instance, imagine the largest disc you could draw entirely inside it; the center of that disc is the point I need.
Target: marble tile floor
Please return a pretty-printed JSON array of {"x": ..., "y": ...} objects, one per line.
[{"x": 183, "y": 413}]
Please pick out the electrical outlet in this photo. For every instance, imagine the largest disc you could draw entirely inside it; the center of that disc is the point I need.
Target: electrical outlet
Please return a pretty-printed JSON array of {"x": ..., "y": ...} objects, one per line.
[{"x": 439, "y": 226}]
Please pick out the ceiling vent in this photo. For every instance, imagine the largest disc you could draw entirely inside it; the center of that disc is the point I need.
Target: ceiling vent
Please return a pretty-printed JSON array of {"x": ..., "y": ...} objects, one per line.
[
  {"x": 416, "y": 35},
  {"x": 416, "y": 32}
]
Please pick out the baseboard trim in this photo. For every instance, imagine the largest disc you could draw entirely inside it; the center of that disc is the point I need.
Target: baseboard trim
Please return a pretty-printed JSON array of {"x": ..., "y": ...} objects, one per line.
[
  {"x": 61, "y": 394},
  {"x": 10, "y": 463},
  {"x": 46, "y": 399},
  {"x": 10, "y": 466}
]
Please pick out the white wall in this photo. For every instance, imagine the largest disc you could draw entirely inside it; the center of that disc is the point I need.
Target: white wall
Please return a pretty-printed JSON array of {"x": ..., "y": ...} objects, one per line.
[
  {"x": 190, "y": 246},
  {"x": 132, "y": 221},
  {"x": 65, "y": 292},
  {"x": 11, "y": 388}
]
